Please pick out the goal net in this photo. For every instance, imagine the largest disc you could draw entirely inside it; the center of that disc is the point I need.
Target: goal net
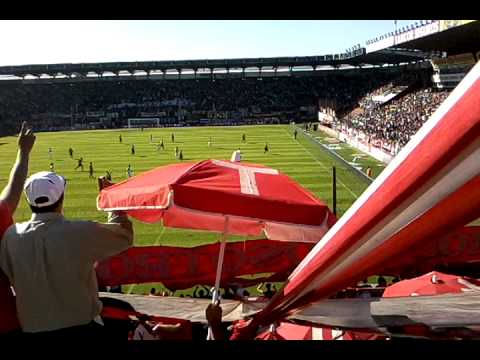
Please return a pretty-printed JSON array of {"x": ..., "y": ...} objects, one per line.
[{"x": 143, "y": 122}]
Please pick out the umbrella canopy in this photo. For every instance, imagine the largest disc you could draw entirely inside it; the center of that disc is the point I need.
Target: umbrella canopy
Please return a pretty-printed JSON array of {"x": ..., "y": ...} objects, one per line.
[
  {"x": 198, "y": 195},
  {"x": 432, "y": 283}
]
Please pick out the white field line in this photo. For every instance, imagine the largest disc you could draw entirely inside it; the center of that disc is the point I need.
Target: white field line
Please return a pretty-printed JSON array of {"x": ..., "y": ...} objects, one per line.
[{"x": 324, "y": 167}]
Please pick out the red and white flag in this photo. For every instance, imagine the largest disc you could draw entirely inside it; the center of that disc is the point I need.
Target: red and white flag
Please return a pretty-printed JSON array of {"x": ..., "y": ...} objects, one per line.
[{"x": 432, "y": 186}]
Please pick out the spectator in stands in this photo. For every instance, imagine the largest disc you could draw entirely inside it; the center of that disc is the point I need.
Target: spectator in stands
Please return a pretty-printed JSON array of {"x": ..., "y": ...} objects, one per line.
[
  {"x": 364, "y": 284},
  {"x": 58, "y": 294},
  {"x": 390, "y": 126},
  {"x": 268, "y": 292},
  {"x": 9, "y": 199},
  {"x": 395, "y": 280},
  {"x": 381, "y": 282}
]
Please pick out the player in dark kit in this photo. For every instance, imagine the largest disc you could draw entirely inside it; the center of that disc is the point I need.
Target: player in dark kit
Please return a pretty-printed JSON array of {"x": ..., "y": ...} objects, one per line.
[
  {"x": 90, "y": 170},
  {"x": 173, "y": 137},
  {"x": 244, "y": 138},
  {"x": 266, "y": 148},
  {"x": 70, "y": 151},
  {"x": 80, "y": 164},
  {"x": 180, "y": 155},
  {"x": 295, "y": 134},
  {"x": 162, "y": 146},
  {"x": 120, "y": 138},
  {"x": 133, "y": 149}
]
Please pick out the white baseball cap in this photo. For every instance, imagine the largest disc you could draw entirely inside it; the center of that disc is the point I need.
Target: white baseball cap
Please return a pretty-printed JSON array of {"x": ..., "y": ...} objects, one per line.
[{"x": 44, "y": 188}]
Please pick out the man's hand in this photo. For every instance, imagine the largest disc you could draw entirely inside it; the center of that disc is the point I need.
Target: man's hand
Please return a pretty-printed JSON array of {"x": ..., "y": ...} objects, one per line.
[
  {"x": 12, "y": 192},
  {"x": 26, "y": 139},
  {"x": 213, "y": 313}
]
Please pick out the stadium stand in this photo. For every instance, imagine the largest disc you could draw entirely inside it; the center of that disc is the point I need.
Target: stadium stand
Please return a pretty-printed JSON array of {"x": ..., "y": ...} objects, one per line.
[{"x": 99, "y": 103}]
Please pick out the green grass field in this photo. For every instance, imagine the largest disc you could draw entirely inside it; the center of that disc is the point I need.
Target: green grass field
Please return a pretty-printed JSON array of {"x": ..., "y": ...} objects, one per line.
[{"x": 302, "y": 159}]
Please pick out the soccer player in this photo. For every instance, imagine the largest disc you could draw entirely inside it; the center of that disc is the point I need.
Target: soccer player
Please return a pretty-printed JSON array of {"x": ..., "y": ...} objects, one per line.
[
  {"x": 244, "y": 138},
  {"x": 129, "y": 171},
  {"x": 173, "y": 137},
  {"x": 180, "y": 155},
  {"x": 90, "y": 170},
  {"x": 236, "y": 156},
  {"x": 295, "y": 134},
  {"x": 369, "y": 172},
  {"x": 70, "y": 151},
  {"x": 266, "y": 148},
  {"x": 176, "y": 152},
  {"x": 162, "y": 145},
  {"x": 133, "y": 149},
  {"x": 80, "y": 164},
  {"x": 52, "y": 169},
  {"x": 151, "y": 138},
  {"x": 120, "y": 138},
  {"x": 108, "y": 175},
  {"x": 50, "y": 151},
  {"x": 210, "y": 142}
]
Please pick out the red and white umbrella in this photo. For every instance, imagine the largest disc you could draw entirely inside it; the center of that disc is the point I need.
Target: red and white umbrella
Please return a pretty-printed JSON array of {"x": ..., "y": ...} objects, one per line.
[
  {"x": 222, "y": 196},
  {"x": 432, "y": 283},
  {"x": 200, "y": 195}
]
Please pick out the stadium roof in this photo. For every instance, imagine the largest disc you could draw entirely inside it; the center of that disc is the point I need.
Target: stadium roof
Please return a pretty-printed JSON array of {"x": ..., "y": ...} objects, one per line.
[
  {"x": 355, "y": 58},
  {"x": 454, "y": 41}
]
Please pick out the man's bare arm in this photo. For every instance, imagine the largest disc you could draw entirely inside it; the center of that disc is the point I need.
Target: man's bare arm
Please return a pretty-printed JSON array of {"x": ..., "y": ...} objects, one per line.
[{"x": 12, "y": 192}]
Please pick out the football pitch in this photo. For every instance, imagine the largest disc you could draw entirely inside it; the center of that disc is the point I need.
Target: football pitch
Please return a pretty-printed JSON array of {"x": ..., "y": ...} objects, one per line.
[{"x": 302, "y": 159}]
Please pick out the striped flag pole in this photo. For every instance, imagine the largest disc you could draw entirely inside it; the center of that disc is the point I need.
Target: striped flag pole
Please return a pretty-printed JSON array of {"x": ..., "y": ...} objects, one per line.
[{"x": 430, "y": 187}]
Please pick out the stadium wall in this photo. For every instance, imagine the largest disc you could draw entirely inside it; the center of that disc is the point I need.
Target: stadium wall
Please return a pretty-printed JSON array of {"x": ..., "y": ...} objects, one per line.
[{"x": 371, "y": 150}]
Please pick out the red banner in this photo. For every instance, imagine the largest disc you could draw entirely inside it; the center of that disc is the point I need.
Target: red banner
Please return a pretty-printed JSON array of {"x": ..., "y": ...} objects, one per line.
[
  {"x": 181, "y": 268},
  {"x": 459, "y": 247}
]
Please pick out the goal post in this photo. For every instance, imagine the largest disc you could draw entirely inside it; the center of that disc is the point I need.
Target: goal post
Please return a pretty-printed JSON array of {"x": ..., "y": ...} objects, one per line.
[{"x": 143, "y": 122}]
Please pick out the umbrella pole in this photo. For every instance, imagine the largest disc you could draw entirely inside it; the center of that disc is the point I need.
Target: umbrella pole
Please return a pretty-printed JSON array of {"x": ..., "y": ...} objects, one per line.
[{"x": 216, "y": 291}]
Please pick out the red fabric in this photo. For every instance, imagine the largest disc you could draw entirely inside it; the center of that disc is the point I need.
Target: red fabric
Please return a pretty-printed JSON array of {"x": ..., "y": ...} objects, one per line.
[
  {"x": 184, "y": 333},
  {"x": 433, "y": 223},
  {"x": 269, "y": 335},
  {"x": 181, "y": 268},
  {"x": 355, "y": 335},
  {"x": 415, "y": 170},
  {"x": 112, "y": 312},
  {"x": 242, "y": 330},
  {"x": 209, "y": 187},
  {"x": 424, "y": 285},
  {"x": 457, "y": 247},
  {"x": 294, "y": 332},
  {"x": 8, "y": 309}
]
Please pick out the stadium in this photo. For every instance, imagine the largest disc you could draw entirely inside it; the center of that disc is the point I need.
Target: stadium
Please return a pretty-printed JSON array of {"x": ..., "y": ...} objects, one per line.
[{"x": 354, "y": 137}]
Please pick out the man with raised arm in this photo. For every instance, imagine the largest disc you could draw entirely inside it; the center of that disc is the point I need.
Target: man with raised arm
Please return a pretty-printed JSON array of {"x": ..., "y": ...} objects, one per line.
[
  {"x": 9, "y": 199},
  {"x": 50, "y": 262}
]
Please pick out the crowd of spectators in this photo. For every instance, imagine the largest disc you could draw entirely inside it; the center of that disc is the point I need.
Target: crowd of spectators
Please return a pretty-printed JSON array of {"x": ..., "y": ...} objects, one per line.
[
  {"x": 393, "y": 124},
  {"x": 60, "y": 104}
]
